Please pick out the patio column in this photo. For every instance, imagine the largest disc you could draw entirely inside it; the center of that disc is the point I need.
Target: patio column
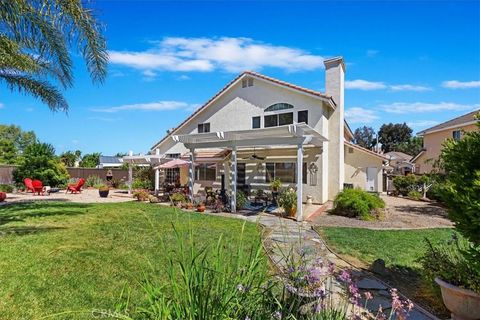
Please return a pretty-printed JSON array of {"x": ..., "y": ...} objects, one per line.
[
  {"x": 233, "y": 172},
  {"x": 299, "y": 215},
  {"x": 130, "y": 174},
  {"x": 191, "y": 174},
  {"x": 157, "y": 174}
]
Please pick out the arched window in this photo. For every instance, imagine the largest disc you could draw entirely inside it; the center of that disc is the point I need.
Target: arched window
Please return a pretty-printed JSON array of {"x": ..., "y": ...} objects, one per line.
[{"x": 279, "y": 106}]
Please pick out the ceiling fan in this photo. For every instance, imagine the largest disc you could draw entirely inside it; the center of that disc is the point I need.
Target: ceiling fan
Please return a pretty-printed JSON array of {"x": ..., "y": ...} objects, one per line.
[{"x": 254, "y": 156}]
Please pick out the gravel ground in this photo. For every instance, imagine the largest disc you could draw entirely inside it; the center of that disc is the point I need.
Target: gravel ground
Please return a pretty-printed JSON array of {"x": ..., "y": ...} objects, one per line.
[
  {"x": 86, "y": 196},
  {"x": 400, "y": 213}
]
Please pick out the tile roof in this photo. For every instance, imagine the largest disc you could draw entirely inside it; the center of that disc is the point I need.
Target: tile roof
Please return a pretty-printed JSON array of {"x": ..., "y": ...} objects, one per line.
[
  {"x": 469, "y": 117},
  {"x": 254, "y": 74}
]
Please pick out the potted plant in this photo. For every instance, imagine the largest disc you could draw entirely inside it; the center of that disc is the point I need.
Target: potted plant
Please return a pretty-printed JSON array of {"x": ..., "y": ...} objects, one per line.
[
  {"x": 241, "y": 200},
  {"x": 3, "y": 196},
  {"x": 276, "y": 184},
  {"x": 201, "y": 207},
  {"x": 103, "y": 191},
  {"x": 288, "y": 201}
]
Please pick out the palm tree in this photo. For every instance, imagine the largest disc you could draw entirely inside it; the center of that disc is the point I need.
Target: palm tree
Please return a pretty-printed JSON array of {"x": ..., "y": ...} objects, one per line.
[{"x": 35, "y": 38}]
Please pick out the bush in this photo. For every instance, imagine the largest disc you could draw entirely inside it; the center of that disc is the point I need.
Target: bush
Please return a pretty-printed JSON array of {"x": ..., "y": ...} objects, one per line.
[
  {"x": 241, "y": 199},
  {"x": 414, "y": 195},
  {"x": 449, "y": 262},
  {"x": 141, "y": 195},
  {"x": 91, "y": 181},
  {"x": 152, "y": 199},
  {"x": 39, "y": 162},
  {"x": 460, "y": 160},
  {"x": 144, "y": 178},
  {"x": 141, "y": 184},
  {"x": 405, "y": 184},
  {"x": 356, "y": 203},
  {"x": 178, "y": 198},
  {"x": 8, "y": 188}
]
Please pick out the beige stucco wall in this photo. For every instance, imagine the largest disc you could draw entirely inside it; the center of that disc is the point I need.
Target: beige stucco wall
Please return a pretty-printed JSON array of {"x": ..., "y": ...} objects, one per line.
[
  {"x": 236, "y": 107},
  {"x": 356, "y": 164},
  {"x": 432, "y": 142}
]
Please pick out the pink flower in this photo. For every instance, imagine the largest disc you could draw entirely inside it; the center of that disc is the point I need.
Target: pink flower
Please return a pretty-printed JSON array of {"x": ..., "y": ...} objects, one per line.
[{"x": 368, "y": 295}]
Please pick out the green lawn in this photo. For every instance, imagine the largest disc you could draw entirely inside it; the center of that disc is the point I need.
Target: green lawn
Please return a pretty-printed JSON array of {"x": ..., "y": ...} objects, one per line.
[
  {"x": 399, "y": 248},
  {"x": 58, "y": 256}
]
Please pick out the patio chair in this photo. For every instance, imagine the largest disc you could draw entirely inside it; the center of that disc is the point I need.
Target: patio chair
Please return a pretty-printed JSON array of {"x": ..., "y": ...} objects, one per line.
[
  {"x": 28, "y": 185},
  {"x": 76, "y": 188},
  {"x": 38, "y": 187}
]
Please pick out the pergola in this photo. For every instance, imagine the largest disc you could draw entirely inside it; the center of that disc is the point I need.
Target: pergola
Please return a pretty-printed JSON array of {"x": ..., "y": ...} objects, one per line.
[
  {"x": 297, "y": 135},
  {"x": 148, "y": 159}
]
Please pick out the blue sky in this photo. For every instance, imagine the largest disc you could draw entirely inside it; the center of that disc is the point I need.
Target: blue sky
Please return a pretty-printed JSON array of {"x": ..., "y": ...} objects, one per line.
[{"x": 414, "y": 62}]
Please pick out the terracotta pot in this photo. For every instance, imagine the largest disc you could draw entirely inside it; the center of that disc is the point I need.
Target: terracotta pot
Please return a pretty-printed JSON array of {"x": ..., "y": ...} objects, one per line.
[
  {"x": 292, "y": 212},
  {"x": 3, "y": 196},
  {"x": 462, "y": 303},
  {"x": 201, "y": 208}
]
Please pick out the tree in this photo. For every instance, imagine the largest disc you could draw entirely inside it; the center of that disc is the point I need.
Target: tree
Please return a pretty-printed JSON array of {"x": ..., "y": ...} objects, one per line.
[
  {"x": 460, "y": 160},
  {"x": 412, "y": 147},
  {"x": 39, "y": 162},
  {"x": 20, "y": 139},
  {"x": 90, "y": 160},
  {"x": 69, "y": 158},
  {"x": 391, "y": 135},
  {"x": 8, "y": 152},
  {"x": 35, "y": 47},
  {"x": 364, "y": 137}
]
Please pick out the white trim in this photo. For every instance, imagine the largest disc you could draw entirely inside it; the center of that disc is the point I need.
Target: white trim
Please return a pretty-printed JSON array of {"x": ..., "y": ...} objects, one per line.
[
  {"x": 417, "y": 156},
  {"x": 422, "y": 133}
]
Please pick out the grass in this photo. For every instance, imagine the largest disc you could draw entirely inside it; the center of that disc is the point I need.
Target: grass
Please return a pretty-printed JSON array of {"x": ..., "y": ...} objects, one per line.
[
  {"x": 400, "y": 249},
  {"x": 57, "y": 256}
]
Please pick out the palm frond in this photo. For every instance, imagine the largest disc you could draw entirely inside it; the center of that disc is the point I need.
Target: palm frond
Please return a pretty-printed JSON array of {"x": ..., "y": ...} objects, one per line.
[{"x": 42, "y": 90}]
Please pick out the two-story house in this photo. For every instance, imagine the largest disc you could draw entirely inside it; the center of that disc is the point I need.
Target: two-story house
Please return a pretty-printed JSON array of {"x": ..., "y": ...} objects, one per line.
[
  {"x": 258, "y": 128},
  {"x": 434, "y": 137}
]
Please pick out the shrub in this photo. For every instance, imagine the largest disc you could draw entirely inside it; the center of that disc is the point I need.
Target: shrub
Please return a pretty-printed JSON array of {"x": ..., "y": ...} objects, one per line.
[
  {"x": 140, "y": 184},
  {"x": 449, "y": 262},
  {"x": 241, "y": 199},
  {"x": 39, "y": 162},
  {"x": 8, "y": 188},
  {"x": 460, "y": 160},
  {"x": 91, "y": 181},
  {"x": 141, "y": 195},
  {"x": 144, "y": 178},
  {"x": 356, "y": 203},
  {"x": 414, "y": 195},
  {"x": 152, "y": 199},
  {"x": 178, "y": 198},
  {"x": 405, "y": 184}
]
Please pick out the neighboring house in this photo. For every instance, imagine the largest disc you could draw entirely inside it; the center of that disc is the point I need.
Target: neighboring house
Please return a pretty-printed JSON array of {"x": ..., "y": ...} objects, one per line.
[
  {"x": 110, "y": 162},
  {"x": 434, "y": 137},
  {"x": 263, "y": 128},
  {"x": 399, "y": 163}
]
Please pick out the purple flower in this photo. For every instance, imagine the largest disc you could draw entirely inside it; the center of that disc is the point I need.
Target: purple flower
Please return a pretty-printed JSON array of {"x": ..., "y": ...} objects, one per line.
[
  {"x": 345, "y": 276},
  {"x": 368, "y": 295}
]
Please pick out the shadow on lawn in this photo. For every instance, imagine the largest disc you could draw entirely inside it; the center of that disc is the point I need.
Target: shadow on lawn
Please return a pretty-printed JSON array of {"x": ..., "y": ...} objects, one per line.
[
  {"x": 20, "y": 211},
  {"x": 411, "y": 283},
  {"x": 21, "y": 231}
]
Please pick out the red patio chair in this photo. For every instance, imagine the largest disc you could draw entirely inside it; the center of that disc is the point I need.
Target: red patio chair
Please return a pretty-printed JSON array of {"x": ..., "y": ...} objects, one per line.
[
  {"x": 76, "y": 188},
  {"x": 28, "y": 185},
  {"x": 38, "y": 187}
]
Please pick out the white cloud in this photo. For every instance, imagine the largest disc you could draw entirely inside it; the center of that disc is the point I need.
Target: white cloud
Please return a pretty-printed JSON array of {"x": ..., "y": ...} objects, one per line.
[
  {"x": 152, "y": 106},
  {"x": 104, "y": 119},
  {"x": 360, "y": 115},
  {"x": 422, "y": 123},
  {"x": 208, "y": 54},
  {"x": 372, "y": 53},
  {"x": 421, "y": 107},
  {"x": 183, "y": 77},
  {"x": 2, "y": 105},
  {"x": 409, "y": 87},
  {"x": 364, "y": 85},
  {"x": 454, "y": 84}
]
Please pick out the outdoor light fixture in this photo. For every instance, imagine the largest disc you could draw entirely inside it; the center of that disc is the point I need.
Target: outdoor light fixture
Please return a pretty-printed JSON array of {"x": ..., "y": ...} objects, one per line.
[{"x": 313, "y": 174}]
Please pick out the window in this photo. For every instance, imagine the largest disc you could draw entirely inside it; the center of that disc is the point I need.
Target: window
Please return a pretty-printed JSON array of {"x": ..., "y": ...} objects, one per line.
[
  {"x": 275, "y": 120},
  {"x": 206, "y": 172},
  {"x": 303, "y": 116},
  {"x": 173, "y": 155},
  {"x": 285, "y": 171},
  {"x": 247, "y": 82},
  {"x": 255, "y": 122},
  {"x": 456, "y": 134},
  {"x": 279, "y": 106},
  {"x": 172, "y": 175},
  {"x": 203, "y": 127}
]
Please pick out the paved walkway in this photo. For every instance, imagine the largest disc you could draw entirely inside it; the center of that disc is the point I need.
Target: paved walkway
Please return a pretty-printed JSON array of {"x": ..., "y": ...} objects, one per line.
[{"x": 282, "y": 235}]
